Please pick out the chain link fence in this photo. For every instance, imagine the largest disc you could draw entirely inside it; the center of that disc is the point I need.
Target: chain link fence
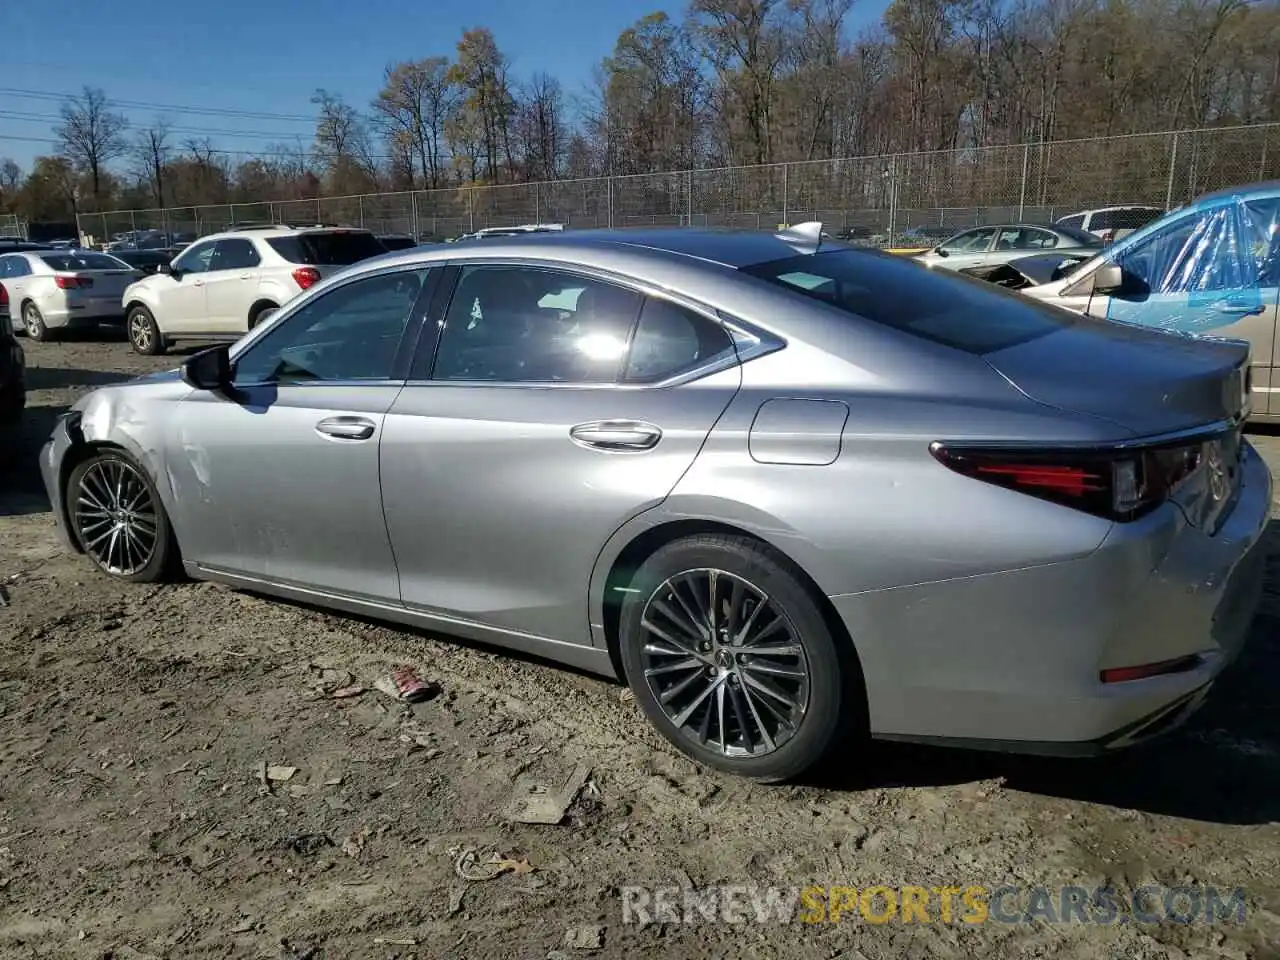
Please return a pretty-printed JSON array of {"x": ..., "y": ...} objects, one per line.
[
  {"x": 878, "y": 199},
  {"x": 11, "y": 226}
]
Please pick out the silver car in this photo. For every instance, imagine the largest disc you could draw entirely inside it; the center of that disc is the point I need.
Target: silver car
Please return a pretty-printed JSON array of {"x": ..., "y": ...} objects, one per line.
[
  {"x": 784, "y": 488},
  {"x": 55, "y": 290},
  {"x": 982, "y": 248}
]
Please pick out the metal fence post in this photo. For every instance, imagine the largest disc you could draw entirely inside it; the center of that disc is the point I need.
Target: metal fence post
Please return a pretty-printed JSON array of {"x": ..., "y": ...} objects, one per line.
[
  {"x": 319, "y": 218},
  {"x": 1022, "y": 197},
  {"x": 231, "y": 208},
  {"x": 537, "y": 203},
  {"x": 471, "y": 210},
  {"x": 413, "y": 214},
  {"x": 360, "y": 204},
  {"x": 609, "y": 184},
  {"x": 1173, "y": 165},
  {"x": 688, "y": 199},
  {"x": 893, "y": 194},
  {"x": 786, "y": 206}
]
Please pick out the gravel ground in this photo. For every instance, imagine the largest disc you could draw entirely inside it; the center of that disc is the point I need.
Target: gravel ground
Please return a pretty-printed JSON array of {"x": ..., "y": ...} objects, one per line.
[{"x": 141, "y": 729}]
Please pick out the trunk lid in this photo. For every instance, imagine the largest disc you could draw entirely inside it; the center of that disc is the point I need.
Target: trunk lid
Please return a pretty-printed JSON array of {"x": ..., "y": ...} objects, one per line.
[{"x": 1147, "y": 381}]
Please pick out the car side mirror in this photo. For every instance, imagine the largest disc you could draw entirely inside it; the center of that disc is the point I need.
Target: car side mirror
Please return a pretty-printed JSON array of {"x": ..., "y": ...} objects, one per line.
[
  {"x": 209, "y": 370},
  {"x": 1108, "y": 278},
  {"x": 940, "y": 252}
]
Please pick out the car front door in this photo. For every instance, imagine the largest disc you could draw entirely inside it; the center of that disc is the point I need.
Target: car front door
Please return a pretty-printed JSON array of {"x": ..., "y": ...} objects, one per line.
[
  {"x": 968, "y": 249},
  {"x": 231, "y": 285},
  {"x": 543, "y": 425},
  {"x": 180, "y": 297},
  {"x": 279, "y": 479},
  {"x": 1213, "y": 272}
]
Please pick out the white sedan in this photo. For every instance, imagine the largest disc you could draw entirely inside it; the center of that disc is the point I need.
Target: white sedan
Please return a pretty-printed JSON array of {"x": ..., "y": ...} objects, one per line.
[{"x": 55, "y": 290}]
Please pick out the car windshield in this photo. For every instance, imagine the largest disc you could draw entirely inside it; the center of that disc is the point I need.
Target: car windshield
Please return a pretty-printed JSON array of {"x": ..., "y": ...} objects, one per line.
[
  {"x": 82, "y": 261},
  {"x": 946, "y": 308},
  {"x": 336, "y": 248},
  {"x": 1081, "y": 238}
]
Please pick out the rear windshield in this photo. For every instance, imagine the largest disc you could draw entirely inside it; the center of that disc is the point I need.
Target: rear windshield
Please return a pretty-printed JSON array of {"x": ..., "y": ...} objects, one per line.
[
  {"x": 398, "y": 243},
  {"x": 82, "y": 261},
  {"x": 327, "y": 249},
  {"x": 944, "y": 307}
]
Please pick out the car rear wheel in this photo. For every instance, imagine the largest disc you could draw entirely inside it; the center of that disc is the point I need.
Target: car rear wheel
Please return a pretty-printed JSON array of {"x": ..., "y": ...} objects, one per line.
[
  {"x": 144, "y": 335},
  {"x": 33, "y": 323},
  {"x": 731, "y": 659},
  {"x": 260, "y": 312},
  {"x": 118, "y": 519}
]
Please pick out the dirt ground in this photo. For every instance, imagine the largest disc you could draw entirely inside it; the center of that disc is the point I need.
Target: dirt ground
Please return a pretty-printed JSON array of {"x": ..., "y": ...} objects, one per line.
[{"x": 138, "y": 816}]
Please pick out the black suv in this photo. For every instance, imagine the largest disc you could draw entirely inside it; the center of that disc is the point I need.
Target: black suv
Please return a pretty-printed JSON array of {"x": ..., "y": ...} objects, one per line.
[{"x": 13, "y": 379}]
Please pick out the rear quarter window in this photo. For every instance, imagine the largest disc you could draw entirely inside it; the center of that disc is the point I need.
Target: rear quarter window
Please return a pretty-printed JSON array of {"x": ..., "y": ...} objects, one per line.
[
  {"x": 336, "y": 249},
  {"x": 942, "y": 307}
]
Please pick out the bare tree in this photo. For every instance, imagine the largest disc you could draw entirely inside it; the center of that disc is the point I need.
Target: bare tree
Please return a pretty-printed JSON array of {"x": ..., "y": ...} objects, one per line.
[
  {"x": 417, "y": 99},
  {"x": 152, "y": 153},
  {"x": 91, "y": 134}
]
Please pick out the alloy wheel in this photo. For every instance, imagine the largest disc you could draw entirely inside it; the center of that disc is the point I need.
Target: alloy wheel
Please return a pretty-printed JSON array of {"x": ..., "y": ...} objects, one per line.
[
  {"x": 33, "y": 322},
  {"x": 140, "y": 331},
  {"x": 724, "y": 663},
  {"x": 116, "y": 517}
]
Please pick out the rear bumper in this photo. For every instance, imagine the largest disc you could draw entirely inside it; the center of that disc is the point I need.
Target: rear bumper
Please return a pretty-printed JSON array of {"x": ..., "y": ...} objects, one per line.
[{"x": 1012, "y": 660}]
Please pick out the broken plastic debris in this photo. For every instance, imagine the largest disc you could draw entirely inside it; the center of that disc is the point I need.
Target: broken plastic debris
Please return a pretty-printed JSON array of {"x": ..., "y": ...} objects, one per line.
[
  {"x": 469, "y": 865},
  {"x": 538, "y": 803},
  {"x": 280, "y": 772}
]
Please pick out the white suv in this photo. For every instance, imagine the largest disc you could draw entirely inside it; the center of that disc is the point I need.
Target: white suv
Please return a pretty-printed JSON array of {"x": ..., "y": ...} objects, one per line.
[{"x": 222, "y": 285}]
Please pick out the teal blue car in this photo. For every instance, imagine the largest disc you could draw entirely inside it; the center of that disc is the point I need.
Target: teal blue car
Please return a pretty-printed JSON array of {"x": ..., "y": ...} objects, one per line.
[{"x": 1209, "y": 269}]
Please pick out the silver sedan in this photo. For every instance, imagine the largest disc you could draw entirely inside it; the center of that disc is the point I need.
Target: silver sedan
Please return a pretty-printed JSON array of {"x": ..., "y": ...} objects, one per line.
[
  {"x": 786, "y": 489},
  {"x": 983, "y": 248}
]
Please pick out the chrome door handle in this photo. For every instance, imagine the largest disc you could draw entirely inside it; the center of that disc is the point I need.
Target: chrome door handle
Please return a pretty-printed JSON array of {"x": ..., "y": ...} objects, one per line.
[
  {"x": 346, "y": 428},
  {"x": 616, "y": 435},
  {"x": 246, "y": 276},
  {"x": 1235, "y": 307}
]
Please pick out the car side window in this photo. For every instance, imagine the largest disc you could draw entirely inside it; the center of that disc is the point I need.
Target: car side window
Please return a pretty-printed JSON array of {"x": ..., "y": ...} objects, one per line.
[
  {"x": 196, "y": 260},
  {"x": 971, "y": 241},
  {"x": 670, "y": 340},
  {"x": 1164, "y": 261},
  {"x": 1034, "y": 239},
  {"x": 14, "y": 267},
  {"x": 1077, "y": 221},
  {"x": 353, "y": 332},
  {"x": 514, "y": 324},
  {"x": 234, "y": 254},
  {"x": 6, "y": 267}
]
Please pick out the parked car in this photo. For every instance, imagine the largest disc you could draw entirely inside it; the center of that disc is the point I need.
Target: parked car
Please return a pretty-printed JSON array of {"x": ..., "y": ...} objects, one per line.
[
  {"x": 395, "y": 241},
  {"x": 981, "y": 248},
  {"x": 15, "y": 245},
  {"x": 784, "y": 487},
  {"x": 55, "y": 290},
  {"x": 147, "y": 261},
  {"x": 13, "y": 381},
  {"x": 224, "y": 284},
  {"x": 1211, "y": 268},
  {"x": 1111, "y": 223}
]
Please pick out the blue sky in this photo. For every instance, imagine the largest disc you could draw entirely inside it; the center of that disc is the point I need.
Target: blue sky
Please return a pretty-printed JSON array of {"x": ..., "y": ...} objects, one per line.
[{"x": 266, "y": 57}]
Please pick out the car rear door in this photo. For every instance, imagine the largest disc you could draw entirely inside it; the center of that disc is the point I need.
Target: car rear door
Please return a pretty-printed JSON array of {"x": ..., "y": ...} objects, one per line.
[
  {"x": 280, "y": 480},
  {"x": 232, "y": 285},
  {"x": 538, "y": 428}
]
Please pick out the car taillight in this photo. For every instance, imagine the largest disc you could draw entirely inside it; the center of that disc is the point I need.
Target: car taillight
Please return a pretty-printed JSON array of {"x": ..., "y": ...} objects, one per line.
[
  {"x": 72, "y": 283},
  {"x": 1118, "y": 484},
  {"x": 306, "y": 276},
  {"x": 4, "y": 296}
]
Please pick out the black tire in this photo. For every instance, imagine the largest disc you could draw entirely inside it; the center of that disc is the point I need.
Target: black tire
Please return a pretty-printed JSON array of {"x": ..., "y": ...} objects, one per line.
[
  {"x": 33, "y": 323},
  {"x": 255, "y": 315},
  {"x": 144, "y": 335},
  {"x": 831, "y": 673},
  {"x": 87, "y": 526}
]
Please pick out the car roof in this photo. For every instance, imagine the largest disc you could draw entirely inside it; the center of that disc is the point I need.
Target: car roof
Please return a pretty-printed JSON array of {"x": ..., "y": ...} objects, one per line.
[
  {"x": 277, "y": 230},
  {"x": 1252, "y": 191}
]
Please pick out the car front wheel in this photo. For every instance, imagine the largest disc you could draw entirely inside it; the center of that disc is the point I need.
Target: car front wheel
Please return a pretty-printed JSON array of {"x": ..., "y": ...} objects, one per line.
[
  {"x": 144, "y": 335},
  {"x": 730, "y": 657},
  {"x": 118, "y": 519}
]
